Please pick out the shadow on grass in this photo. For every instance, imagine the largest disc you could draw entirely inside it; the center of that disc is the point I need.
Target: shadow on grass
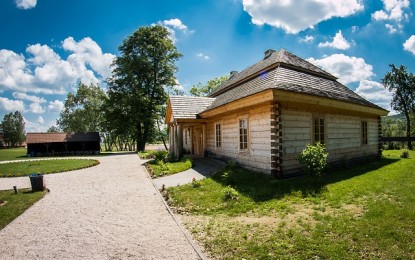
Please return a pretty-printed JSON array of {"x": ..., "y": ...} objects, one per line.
[{"x": 261, "y": 188}]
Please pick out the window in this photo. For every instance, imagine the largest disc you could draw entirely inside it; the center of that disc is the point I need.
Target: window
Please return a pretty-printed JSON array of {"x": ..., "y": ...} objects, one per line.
[
  {"x": 319, "y": 130},
  {"x": 218, "y": 134},
  {"x": 243, "y": 134},
  {"x": 364, "y": 132}
]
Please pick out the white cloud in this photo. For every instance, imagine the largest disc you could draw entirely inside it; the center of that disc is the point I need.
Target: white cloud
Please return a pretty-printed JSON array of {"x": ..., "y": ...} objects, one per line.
[
  {"x": 40, "y": 120},
  {"x": 352, "y": 69},
  {"x": 36, "y": 108},
  {"x": 394, "y": 10},
  {"x": 88, "y": 52},
  {"x": 203, "y": 56},
  {"x": 307, "y": 39},
  {"x": 26, "y": 4},
  {"x": 44, "y": 71},
  {"x": 391, "y": 28},
  {"x": 347, "y": 69},
  {"x": 375, "y": 92},
  {"x": 175, "y": 23},
  {"x": 339, "y": 42},
  {"x": 295, "y": 16},
  {"x": 409, "y": 44},
  {"x": 8, "y": 105},
  {"x": 55, "y": 106},
  {"x": 34, "y": 127},
  {"x": 25, "y": 96}
]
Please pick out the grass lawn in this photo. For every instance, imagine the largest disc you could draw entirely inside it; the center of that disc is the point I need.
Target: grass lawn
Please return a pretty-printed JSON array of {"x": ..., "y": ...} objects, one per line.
[
  {"x": 162, "y": 169},
  {"x": 159, "y": 168},
  {"x": 12, "y": 205},
  {"x": 16, "y": 169},
  {"x": 13, "y": 154},
  {"x": 362, "y": 212}
]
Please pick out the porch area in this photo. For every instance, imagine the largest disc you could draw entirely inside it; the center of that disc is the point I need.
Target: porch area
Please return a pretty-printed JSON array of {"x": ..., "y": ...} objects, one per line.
[{"x": 187, "y": 138}]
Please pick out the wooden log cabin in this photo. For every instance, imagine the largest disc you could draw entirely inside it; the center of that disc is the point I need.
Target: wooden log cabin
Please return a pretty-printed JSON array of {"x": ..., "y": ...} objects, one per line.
[
  {"x": 264, "y": 116},
  {"x": 62, "y": 144}
]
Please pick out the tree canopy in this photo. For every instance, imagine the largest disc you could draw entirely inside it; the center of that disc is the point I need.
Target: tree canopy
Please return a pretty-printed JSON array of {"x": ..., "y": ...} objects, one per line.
[
  {"x": 402, "y": 85},
  {"x": 83, "y": 110},
  {"x": 203, "y": 90},
  {"x": 141, "y": 73},
  {"x": 13, "y": 129}
]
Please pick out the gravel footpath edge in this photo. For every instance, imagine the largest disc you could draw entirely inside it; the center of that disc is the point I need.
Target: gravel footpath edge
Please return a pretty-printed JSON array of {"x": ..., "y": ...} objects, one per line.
[{"x": 196, "y": 248}]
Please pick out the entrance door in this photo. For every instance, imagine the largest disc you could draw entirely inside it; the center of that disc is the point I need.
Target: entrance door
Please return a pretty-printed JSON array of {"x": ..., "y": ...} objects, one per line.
[{"x": 197, "y": 142}]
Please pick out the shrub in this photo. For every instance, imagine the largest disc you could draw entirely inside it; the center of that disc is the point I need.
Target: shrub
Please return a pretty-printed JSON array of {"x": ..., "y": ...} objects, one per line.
[
  {"x": 314, "y": 159},
  {"x": 405, "y": 154},
  {"x": 160, "y": 155},
  {"x": 163, "y": 166},
  {"x": 230, "y": 194}
]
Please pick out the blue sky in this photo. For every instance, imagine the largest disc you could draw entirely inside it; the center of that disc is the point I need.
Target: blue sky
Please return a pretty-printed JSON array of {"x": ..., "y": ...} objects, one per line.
[{"x": 47, "y": 46}]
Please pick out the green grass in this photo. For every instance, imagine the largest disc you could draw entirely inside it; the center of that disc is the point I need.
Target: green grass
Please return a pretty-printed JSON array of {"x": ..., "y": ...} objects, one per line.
[
  {"x": 158, "y": 166},
  {"x": 17, "y": 169},
  {"x": 13, "y": 154},
  {"x": 162, "y": 169},
  {"x": 13, "y": 205},
  {"x": 366, "y": 211}
]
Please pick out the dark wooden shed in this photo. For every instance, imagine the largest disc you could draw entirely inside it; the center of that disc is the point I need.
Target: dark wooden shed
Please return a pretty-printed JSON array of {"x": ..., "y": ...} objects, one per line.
[{"x": 62, "y": 144}]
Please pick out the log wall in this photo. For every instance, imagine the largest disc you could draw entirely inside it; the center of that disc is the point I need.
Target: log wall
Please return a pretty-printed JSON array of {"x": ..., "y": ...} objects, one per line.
[
  {"x": 258, "y": 155},
  {"x": 342, "y": 132}
]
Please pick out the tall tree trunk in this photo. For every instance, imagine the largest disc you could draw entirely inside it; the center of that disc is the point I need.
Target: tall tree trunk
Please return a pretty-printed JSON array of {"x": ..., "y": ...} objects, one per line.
[
  {"x": 408, "y": 130},
  {"x": 162, "y": 136},
  {"x": 141, "y": 141}
]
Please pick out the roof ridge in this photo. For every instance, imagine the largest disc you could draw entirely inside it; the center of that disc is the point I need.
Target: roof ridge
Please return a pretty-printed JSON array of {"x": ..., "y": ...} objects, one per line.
[{"x": 272, "y": 59}]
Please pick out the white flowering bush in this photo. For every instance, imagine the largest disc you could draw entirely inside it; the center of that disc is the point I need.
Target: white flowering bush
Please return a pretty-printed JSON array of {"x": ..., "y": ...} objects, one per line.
[{"x": 314, "y": 159}]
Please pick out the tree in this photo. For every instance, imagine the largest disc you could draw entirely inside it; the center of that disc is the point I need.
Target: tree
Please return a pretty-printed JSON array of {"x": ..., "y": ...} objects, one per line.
[
  {"x": 13, "y": 128},
  {"x": 137, "y": 87},
  {"x": 402, "y": 85},
  {"x": 201, "y": 90},
  {"x": 83, "y": 110},
  {"x": 53, "y": 129}
]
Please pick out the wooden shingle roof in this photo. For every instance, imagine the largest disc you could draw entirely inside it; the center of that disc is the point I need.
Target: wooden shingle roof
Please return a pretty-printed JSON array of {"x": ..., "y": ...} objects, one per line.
[
  {"x": 36, "y": 138},
  {"x": 281, "y": 57},
  {"x": 184, "y": 107},
  {"x": 284, "y": 71}
]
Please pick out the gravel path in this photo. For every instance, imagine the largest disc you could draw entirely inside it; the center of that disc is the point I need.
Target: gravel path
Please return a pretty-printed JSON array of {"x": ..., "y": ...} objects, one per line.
[{"x": 110, "y": 211}]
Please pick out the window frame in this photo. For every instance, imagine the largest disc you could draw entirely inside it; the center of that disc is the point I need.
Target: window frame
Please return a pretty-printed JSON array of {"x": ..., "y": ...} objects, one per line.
[
  {"x": 218, "y": 135},
  {"x": 321, "y": 132},
  {"x": 243, "y": 138},
  {"x": 364, "y": 133}
]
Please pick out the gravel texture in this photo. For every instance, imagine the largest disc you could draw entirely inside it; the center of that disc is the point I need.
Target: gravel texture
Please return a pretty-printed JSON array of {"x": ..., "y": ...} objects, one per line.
[{"x": 110, "y": 211}]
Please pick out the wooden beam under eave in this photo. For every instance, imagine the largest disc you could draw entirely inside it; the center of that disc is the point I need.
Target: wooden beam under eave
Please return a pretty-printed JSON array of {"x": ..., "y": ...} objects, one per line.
[
  {"x": 243, "y": 103},
  {"x": 323, "y": 104}
]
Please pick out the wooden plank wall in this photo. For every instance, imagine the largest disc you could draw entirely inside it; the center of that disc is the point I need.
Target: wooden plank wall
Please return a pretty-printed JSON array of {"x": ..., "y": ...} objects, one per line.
[
  {"x": 343, "y": 137},
  {"x": 258, "y": 156}
]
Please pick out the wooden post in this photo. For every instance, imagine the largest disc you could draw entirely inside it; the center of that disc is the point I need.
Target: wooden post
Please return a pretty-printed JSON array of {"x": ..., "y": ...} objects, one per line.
[
  {"x": 203, "y": 140},
  {"x": 179, "y": 140},
  {"x": 171, "y": 139},
  {"x": 191, "y": 141},
  {"x": 174, "y": 138}
]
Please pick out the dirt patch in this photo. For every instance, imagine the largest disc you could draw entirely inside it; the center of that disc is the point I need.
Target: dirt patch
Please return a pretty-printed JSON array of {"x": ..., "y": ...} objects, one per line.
[
  {"x": 2, "y": 203},
  {"x": 300, "y": 216}
]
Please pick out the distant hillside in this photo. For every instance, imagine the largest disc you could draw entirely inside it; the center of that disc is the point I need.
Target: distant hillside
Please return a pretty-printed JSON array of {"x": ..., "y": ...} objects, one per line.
[{"x": 397, "y": 116}]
